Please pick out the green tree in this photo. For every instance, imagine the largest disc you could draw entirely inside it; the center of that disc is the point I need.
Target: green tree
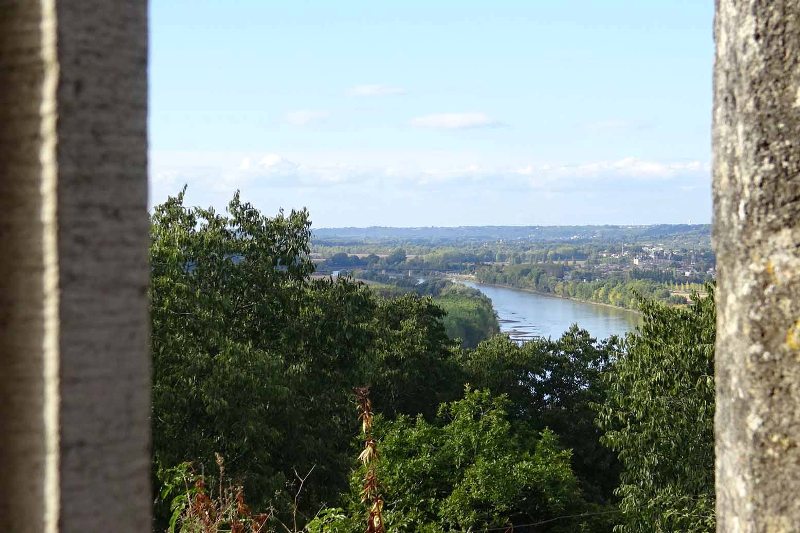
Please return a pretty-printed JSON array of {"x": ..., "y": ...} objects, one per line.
[
  {"x": 469, "y": 315},
  {"x": 466, "y": 471},
  {"x": 396, "y": 257},
  {"x": 659, "y": 418},
  {"x": 412, "y": 367},
  {"x": 555, "y": 384},
  {"x": 252, "y": 358}
]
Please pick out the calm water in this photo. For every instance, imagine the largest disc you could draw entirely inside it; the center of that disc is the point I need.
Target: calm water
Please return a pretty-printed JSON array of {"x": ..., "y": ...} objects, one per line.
[{"x": 525, "y": 314}]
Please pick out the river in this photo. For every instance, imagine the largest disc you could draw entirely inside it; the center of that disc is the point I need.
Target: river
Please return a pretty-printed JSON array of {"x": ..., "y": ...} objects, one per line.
[{"x": 524, "y": 315}]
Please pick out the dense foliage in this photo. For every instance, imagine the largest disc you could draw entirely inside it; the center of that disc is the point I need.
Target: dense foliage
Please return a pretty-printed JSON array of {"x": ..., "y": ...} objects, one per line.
[
  {"x": 556, "y": 384},
  {"x": 411, "y": 368},
  {"x": 468, "y": 470},
  {"x": 469, "y": 315},
  {"x": 255, "y": 359},
  {"x": 659, "y": 417}
]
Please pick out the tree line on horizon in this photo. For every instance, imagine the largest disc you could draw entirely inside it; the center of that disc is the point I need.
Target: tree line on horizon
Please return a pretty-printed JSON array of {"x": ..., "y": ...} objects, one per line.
[{"x": 444, "y": 235}]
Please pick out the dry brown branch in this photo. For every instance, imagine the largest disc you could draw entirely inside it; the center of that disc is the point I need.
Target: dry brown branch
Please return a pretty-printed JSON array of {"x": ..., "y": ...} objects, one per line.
[{"x": 370, "y": 492}]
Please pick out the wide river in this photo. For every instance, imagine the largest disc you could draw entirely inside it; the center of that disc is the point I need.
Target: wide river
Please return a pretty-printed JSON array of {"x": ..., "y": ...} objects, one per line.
[{"x": 524, "y": 315}]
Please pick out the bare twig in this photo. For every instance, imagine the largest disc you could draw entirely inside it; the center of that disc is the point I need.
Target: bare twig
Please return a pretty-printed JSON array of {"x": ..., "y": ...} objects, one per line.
[{"x": 297, "y": 494}]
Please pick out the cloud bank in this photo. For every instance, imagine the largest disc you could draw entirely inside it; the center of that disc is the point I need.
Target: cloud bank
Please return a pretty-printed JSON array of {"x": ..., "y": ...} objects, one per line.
[
  {"x": 444, "y": 191},
  {"x": 275, "y": 170}
]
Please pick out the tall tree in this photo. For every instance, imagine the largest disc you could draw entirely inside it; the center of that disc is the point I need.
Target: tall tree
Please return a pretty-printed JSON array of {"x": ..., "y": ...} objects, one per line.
[
  {"x": 555, "y": 383},
  {"x": 412, "y": 368},
  {"x": 251, "y": 358},
  {"x": 659, "y": 416}
]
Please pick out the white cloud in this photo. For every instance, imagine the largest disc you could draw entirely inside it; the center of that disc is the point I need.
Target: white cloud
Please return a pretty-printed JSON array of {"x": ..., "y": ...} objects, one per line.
[
  {"x": 637, "y": 168},
  {"x": 271, "y": 169},
  {"x": 629, "y": 168},
  {"x": 276, "y": 171},
  {"x": 455, "y": 121},
  {"x": 375, "y": 90},
  {"x": 304, "y": 117},
  {"x": 269, "y": 163}
]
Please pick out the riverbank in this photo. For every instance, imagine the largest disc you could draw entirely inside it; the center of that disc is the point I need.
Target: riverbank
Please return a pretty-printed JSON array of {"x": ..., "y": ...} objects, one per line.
[
  {"x": 526, "y": 314},
  {"x": 474, "y": 279}
]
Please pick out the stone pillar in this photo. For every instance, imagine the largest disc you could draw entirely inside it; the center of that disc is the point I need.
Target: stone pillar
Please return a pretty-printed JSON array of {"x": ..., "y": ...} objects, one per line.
[
  {"x": 757, "y": 240},
  {"x": 75, "y": 374}
]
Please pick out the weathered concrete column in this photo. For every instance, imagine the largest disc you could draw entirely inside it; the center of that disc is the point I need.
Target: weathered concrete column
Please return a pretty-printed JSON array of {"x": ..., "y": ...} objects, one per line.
[
  {"x": 74, "y": 361},
  {"x": 757, "y": 240}
]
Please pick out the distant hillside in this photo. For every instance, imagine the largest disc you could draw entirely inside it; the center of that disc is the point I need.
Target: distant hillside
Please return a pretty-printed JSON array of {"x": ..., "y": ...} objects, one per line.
[{"x": 442, "y": 235}]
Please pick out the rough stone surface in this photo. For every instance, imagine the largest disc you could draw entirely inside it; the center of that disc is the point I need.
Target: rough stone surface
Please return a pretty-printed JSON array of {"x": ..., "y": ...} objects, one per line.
[
  {"x": 103, "y": 228},
  {"x": 28, "y": 270},
  {"x": 74, "y": 388},
  {"x": 757, "y": 240}
]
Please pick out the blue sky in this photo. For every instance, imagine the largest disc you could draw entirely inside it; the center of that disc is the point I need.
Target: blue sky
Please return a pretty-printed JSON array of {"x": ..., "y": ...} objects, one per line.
[{"x": 435, "y": 112}]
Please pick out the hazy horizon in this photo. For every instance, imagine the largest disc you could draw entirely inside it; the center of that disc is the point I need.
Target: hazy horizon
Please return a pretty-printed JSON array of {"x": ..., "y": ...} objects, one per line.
[{"x": 512, "y": 226}]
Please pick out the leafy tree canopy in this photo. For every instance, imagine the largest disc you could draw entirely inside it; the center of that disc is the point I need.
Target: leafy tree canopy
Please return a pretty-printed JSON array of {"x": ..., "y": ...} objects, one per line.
[
  {"x": 465, "y": 471},
  {"x": 255, "y": 360},
  {"x": 555, "y": 384},
  {"x": 659, "y": 418}
]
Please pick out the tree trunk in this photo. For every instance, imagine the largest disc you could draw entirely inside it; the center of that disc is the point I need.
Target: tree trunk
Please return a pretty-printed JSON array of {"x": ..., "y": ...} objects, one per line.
[{"x": 757, "y": 241}]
